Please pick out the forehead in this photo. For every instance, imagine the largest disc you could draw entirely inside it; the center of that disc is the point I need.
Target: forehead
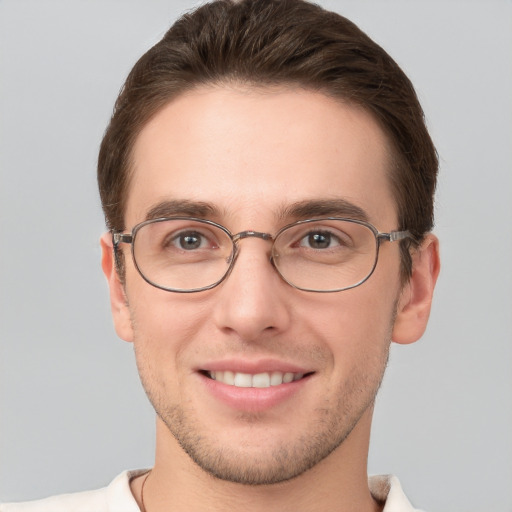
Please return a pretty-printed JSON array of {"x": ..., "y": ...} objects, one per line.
[{"x": 252, "y": 152}]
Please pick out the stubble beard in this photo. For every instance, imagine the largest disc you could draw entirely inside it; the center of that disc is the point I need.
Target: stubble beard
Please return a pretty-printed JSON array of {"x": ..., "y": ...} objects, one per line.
[{"x": 333, "y": 423}]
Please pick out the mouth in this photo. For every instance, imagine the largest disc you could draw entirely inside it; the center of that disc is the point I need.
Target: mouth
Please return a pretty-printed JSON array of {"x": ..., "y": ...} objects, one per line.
[{"x": 257, "y": 380}]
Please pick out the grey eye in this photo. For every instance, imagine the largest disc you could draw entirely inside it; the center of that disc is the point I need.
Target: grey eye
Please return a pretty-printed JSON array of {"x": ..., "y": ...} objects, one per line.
[
  {"x": 319, "y": 240},
  {"x": 189, "y": 240}
]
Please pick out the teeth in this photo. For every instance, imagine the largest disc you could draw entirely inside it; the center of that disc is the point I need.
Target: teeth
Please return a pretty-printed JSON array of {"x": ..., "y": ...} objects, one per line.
[
  {"x": 228, "y": 378},
  {"x": 276, "y": 378},
  {"x": 287, "y": 377},
  {"x": 243, "y": 380},
  {"x": 259, "y": 380}
]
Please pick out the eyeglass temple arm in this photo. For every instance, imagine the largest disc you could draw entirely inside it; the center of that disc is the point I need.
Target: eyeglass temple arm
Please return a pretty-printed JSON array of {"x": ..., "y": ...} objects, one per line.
[
  {"x": 395, "y": 235},
  {"x": 121, "y": 238}
]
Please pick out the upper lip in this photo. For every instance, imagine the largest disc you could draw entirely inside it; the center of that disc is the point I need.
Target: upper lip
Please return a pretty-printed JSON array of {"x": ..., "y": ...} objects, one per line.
[{"x": 253, "y": 367}]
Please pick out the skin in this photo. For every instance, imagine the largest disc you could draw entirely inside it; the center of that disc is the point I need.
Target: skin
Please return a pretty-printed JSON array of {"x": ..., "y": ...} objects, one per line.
[{"x": 250, "y": 154}]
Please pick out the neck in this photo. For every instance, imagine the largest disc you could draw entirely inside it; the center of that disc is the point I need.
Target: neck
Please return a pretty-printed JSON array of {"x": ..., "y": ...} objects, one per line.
[{"x": 339, "y": 482}]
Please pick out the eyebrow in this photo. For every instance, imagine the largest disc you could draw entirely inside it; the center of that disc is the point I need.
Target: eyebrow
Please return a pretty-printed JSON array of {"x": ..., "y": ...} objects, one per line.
[
  {"x": 177, "y": 207},
  {"x": 300, "y": 210},
  {"x": 324, "y": 208}
]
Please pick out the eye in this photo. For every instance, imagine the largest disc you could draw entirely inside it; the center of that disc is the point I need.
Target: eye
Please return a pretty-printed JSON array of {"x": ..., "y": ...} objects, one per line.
[
  {"x": 190, "y": 241},
  {"x": 320, "y": 240}
]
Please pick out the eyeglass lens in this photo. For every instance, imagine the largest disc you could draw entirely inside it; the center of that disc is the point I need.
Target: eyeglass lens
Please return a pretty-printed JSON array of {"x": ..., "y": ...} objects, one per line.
[{"x": 319, "y": 255}]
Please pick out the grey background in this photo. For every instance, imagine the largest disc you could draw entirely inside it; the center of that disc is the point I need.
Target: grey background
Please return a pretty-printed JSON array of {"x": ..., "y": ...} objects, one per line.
[{"x": 72, "y": 413}]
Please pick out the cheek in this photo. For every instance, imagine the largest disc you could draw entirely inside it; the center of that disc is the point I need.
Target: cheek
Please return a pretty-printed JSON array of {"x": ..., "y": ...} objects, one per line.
[
  {"x": 355, "y": 325},
  {"x": 163, "y": 345},
  {"x": 164, "y": 323}
]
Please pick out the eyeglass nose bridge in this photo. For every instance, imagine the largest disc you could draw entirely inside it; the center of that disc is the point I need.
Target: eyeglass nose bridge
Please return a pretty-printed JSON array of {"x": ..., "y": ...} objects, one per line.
[
  {"x": 239, "y": 236},
  {"x": 248, "y": 234}
]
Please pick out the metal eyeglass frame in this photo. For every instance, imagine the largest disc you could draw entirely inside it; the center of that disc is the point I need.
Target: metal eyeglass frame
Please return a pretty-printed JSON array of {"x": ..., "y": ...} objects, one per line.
[{"x": 129, "y": 238}]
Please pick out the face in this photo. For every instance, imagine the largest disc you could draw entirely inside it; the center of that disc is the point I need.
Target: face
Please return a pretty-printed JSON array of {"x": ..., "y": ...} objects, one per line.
[{"x": 245, "y": 158}]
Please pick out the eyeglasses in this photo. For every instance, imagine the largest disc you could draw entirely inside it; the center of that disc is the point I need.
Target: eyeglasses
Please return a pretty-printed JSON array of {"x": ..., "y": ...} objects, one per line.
[{"x": 185, "y": 254}]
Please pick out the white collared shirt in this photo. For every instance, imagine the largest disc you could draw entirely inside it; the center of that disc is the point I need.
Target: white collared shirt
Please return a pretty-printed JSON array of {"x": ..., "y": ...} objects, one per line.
[{"x": 117, "y": 497}]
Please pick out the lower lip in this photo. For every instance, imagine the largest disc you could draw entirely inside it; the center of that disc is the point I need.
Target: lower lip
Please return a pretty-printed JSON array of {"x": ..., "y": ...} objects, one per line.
[{"x": 253, "y": 399}]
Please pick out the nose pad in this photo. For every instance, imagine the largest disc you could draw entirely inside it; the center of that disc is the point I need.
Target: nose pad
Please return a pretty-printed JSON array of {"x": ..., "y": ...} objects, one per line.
[
  {"x": 231, "y": 260},
  {"x": 233, "y": 257},
  {"x": 248, "y": 302}
]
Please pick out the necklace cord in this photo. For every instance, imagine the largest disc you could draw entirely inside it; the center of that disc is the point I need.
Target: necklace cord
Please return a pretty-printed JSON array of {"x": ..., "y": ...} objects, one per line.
[{"x": 142, "y": 492}]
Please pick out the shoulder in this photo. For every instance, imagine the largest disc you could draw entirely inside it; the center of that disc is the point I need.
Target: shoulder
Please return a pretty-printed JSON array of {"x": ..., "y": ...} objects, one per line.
[
  {"x": 77, "y": 502},
  {"x": 116, "y": 497},
  {"x": 387, "y": 489}
]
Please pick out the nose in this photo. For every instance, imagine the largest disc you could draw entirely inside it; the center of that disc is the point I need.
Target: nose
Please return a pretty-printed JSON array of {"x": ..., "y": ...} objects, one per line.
[{"x": 253, "y": 302}]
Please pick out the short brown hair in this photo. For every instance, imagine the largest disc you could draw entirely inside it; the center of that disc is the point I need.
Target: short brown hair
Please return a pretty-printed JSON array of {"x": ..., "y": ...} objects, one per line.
[{"x": 274, "y": 42}]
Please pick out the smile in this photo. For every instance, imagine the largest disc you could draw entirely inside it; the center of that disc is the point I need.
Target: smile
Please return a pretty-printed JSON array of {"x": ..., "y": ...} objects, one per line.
[{"x": 258, "y": 380}]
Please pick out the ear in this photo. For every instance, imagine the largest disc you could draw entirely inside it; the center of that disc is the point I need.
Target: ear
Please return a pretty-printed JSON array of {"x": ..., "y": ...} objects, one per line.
[
  {"x": 118, "y": 300},
  {"x": 416, "y": 297}
]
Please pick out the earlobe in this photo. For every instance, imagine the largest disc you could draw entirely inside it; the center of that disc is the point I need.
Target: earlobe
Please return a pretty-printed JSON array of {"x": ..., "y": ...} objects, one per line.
[
  {"x": 118, "y": 301},
  {"x": 415, "y": 301}
]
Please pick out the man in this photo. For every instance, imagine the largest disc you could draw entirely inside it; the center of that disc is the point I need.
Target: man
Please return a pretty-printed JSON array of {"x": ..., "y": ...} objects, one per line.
[{"x": 267, "y": 181}]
